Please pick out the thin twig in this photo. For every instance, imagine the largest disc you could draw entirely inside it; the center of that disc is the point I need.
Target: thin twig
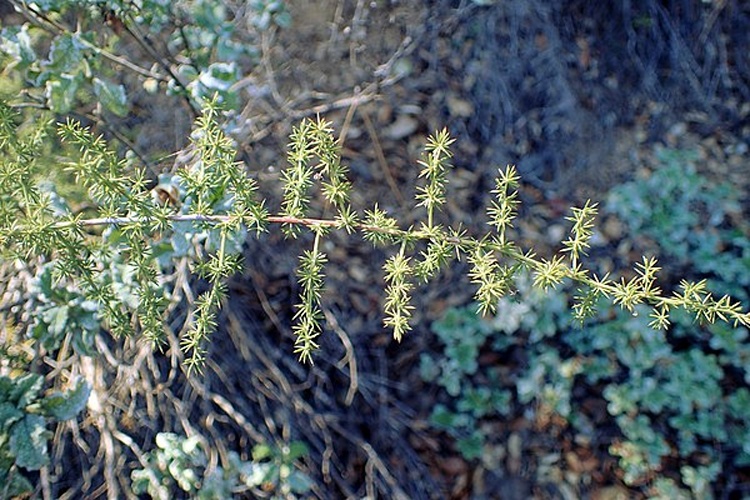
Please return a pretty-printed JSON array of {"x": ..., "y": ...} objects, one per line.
[
  {"x": 52, "y": 26},
  {"x": 266, "y": 304},
  {"x": 366, "y": 95},
  {"x": 349, "y": 358},
  {"x": 148, "y": 47},
  {"x": 381, "y": 159},
  {"x": 347, "y": 122},
  {"x": 266, "y": 61}
]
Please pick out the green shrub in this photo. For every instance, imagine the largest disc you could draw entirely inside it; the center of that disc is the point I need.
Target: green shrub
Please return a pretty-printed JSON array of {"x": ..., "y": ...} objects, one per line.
[
  {"x": 688, "y": 216},
  {"x": 462, "y": 332},
  {"x": 182, "y": 462},
  {"x": 69, "y": 66},
  {"x": 24, "y": 413},
  {"x": 680, "y": 392}
]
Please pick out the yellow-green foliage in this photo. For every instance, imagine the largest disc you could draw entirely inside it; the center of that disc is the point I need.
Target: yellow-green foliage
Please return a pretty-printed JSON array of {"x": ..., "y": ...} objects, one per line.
[{"x": 218, "y": 197}]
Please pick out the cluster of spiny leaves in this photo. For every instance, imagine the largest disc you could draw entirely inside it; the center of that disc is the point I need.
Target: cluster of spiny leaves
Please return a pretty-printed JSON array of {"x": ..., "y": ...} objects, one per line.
[{"x": 220, "y": 196}]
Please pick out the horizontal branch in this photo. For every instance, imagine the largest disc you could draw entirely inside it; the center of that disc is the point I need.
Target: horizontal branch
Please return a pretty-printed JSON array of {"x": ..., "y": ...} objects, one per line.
[
  {"x": 605, "y": 286},
  {"x": 274, "y": 219}
]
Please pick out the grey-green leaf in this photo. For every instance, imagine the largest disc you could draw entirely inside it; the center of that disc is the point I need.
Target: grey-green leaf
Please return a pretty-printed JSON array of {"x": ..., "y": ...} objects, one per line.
[
  {"x": 16, "y": 42},
  {"x": 9, "y": 415},
  {"x": 65, "y": 55},
  {"x": 61, "y": 92},
  {"x": 25, "y": 389},
  {"x": 112, "y": 96},
  {"x": 57, "y": 317},
  {"x": 28, "y": 442},
  {"x": 65, "y": 406},
  {"x": 299, "y": 482}
]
